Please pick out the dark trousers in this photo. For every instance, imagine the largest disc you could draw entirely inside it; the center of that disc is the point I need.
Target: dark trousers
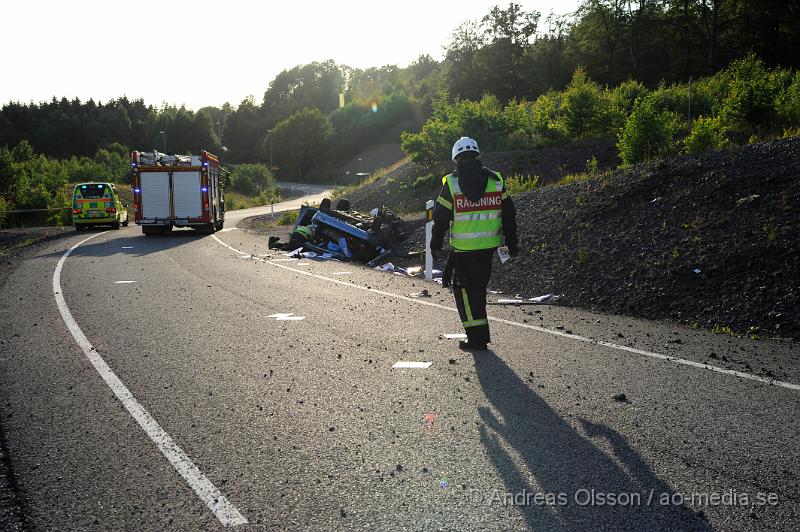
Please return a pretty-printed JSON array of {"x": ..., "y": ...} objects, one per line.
[{"x": 472, "y": 271}]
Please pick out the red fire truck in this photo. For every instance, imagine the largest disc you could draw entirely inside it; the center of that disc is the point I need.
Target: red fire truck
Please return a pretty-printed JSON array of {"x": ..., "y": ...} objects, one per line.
[{"x": 178, "y": 191}]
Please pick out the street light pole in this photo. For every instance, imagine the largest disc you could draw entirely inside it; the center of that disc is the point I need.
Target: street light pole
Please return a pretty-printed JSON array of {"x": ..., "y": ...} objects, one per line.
[
  {"x": 269, "y": 132},
  {"x": 164, "y": 134}
]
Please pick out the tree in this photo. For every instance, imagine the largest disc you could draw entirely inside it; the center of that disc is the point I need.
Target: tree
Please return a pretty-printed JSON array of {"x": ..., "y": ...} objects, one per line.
[
  {"x": 251, "y": 179},
  {"x": 301, "y": 142},
  {"x": 243, "y": 130},
  {"x": 464, "y": 71},
  {"x": 7, "y": 177},
  {"x": 509, "y": 32},
  {"x": 314, "y": 85}
]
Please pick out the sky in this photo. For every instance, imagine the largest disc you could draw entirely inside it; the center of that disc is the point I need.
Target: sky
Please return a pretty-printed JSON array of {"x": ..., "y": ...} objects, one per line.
[{"x": 199, "y": 53}]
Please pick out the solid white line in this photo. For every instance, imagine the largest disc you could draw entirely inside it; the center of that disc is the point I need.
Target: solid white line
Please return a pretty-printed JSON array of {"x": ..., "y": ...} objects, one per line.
[
  {"x": 650, "y": 354},
  {"x": 223, "y": 510},
  {"x": 124, "y": 282}
]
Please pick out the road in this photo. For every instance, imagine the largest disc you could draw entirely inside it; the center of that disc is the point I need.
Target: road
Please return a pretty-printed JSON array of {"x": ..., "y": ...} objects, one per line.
[
  {"x": 310, "y": 194},
  {"x": 145, "y": 386}
]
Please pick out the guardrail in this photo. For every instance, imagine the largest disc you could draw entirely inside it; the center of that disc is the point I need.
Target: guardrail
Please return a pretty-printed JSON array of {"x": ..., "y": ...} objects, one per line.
[{"x": 33, "y": 217}]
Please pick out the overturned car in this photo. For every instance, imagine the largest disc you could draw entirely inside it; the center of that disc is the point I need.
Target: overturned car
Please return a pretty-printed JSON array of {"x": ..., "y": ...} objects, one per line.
[{"x": 344, "y": 234}]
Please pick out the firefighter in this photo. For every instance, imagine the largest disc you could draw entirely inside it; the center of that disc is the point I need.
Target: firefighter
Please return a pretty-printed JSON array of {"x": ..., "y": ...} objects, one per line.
[{"x": 475, "y": 206}]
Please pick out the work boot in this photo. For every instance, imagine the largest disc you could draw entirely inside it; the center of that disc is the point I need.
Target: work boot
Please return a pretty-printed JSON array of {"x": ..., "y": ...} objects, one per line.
[{"x": 468, "y": 345}]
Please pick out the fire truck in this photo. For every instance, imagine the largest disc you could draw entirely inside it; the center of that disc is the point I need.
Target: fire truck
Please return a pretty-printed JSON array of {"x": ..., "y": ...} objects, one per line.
[{"x": 178, "y": 191}]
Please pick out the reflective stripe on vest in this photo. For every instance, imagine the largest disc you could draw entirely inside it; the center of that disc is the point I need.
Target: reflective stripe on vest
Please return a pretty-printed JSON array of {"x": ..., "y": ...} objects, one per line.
[{"x": 476, "y": 224}]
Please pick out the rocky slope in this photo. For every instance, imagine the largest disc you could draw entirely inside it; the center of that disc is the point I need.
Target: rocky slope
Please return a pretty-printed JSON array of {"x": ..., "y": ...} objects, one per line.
[{"x": 710, "y": 240}]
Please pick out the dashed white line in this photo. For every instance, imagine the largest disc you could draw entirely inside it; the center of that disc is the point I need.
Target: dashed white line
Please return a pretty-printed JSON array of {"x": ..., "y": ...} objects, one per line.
[
  {"x": 577, "y": 337},
  {"x": 223, "y": 510},
  {"x": 403, "y": 364},
  {"x": 124, "y": 282}
]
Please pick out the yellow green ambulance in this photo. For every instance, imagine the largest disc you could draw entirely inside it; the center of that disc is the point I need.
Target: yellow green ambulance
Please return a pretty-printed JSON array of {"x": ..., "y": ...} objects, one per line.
[{"x": 95, "y": 204}]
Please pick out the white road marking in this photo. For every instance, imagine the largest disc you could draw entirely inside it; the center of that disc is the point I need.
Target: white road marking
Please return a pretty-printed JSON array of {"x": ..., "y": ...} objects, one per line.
[
  {"x": 460, "y": 336},
  {"x": 286, "y": 317},
  {"x": 303, "y": 264},
  {"x": 127, "y": 247},
  {"x": 412, "y": 365},
  {"x": 342, "y": 273},
  {"x": 124, "y": 282},
  {"x": 650, "y": 354},
  {"x": 245, "y": 256},
  {"x": 284, "y": 260},
  {"x": 223, "y": 510}
]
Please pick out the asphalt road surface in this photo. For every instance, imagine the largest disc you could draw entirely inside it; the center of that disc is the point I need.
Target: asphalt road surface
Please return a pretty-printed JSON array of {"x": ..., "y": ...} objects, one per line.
[{"x": 170, "y": 383}]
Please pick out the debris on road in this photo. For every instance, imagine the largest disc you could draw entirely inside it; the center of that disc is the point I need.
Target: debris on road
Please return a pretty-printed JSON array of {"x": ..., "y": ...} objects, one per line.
[{"x": 532, "y": 301}]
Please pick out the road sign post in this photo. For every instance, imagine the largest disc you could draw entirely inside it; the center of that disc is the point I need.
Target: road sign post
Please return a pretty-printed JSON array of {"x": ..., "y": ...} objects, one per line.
[{"x": 428, "y": 235}]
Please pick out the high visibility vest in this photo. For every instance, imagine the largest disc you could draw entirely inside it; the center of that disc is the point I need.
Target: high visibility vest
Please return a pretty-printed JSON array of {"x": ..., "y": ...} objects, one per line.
[{"x": 476, "y": 225}]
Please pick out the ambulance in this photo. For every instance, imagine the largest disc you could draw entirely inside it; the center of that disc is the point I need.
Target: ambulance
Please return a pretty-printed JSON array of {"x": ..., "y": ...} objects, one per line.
[{"x": 97, "y": 204}]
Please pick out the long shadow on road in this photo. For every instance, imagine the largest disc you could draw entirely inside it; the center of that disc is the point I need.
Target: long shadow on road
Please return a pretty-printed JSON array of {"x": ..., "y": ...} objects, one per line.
[{"x": 535, "y": 451}]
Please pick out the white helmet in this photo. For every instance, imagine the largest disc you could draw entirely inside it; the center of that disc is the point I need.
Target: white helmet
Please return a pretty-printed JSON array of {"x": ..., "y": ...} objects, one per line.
[{"x": 465, "y": 144}]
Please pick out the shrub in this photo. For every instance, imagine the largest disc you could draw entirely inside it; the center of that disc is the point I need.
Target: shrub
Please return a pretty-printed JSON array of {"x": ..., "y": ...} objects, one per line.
[
  {"x": 517, "y": 184},
  {"x": 583, "y": 110},
  {"x": 573, "y": 178},
  {"x": 648, "y": 133},
  {"x": 288, "y": 217},
  {"x": 424, "y": 181},
  {"x": 752, "y": 92},
  {"x": 270, "y": 195},
  {"x": 708, "y": 133},
  {"x": 787, "y": 104},
  {"x": 3, "y": 207},
  {"x": 592, "y": 166},
  {"x": 622, "y": 101},
  {"x": 486, "y": 120},
  {"x": 544, "y": 116},
  {"x": 251, "y": 179}
]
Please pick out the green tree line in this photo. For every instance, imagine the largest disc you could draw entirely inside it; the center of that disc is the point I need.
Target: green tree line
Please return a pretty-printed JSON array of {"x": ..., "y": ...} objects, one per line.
[
  {"x": 35, "y": 181},
  {"x": 745, "y": 101}
]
